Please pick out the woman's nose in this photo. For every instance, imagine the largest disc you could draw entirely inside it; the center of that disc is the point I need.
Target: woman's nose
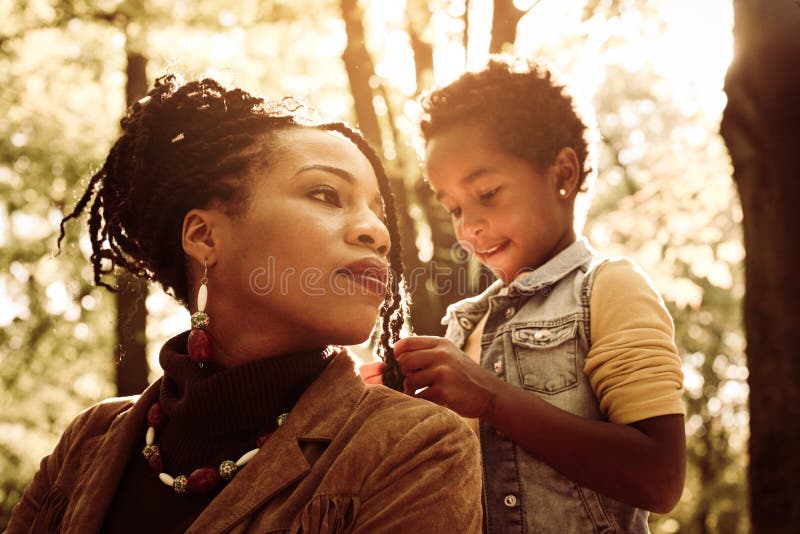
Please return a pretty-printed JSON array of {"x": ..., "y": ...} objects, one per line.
[
  {"x": 370, "y": 231},
  {"x": 370, "y": 241}
]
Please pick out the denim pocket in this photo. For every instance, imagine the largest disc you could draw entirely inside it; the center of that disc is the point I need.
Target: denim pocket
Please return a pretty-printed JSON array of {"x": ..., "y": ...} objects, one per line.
[{"x": 546, "y": 357}]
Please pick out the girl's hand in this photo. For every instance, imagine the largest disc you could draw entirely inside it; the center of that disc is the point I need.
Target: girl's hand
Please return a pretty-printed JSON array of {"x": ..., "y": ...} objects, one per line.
[{"x": 450, "y": 377}]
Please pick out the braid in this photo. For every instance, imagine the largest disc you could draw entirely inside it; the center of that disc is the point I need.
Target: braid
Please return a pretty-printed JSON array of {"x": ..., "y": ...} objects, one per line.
[
  {"x": 395, "y": 306},
  {"x": 79, "y": 207},
  {"x": 182, "y": 147}
]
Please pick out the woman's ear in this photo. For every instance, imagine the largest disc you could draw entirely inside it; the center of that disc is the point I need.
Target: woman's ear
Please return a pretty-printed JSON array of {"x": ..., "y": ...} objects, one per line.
[
  {"x": 567, "y": 172},
  {"x": 197, "y": 235}
]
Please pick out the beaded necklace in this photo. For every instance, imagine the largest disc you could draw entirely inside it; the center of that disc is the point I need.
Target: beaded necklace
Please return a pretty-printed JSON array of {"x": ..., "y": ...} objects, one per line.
[{"x": 200, "y": 480}]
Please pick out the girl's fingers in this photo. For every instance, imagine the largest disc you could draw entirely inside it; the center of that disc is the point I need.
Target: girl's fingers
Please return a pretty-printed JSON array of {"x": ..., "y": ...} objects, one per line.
[
  {"x": 419, "y": 380},
  {"x": 414, "y": 361},
  {"x": 413, "y": 343}
]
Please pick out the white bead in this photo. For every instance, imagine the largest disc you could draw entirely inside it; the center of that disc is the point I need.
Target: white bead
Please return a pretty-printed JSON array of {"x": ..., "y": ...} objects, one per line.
[
  {"x": 202, "y": 297},
  {"x": 166, "y": 479},
  {"x": 150, "y": 437},
  {"x": 246, "y": 457}
]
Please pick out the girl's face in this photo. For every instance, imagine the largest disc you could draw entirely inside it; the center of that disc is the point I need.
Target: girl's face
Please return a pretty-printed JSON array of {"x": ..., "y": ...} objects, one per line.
[
  {"x": 503, "y": 210},
  {"x": 305, "y": 263}
]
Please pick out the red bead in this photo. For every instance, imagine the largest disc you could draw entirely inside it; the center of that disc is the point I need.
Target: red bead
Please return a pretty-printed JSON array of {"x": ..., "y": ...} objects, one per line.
[
  {"x": 199, "y": 345},
  {"x": 203, "y": 479},
  {"x": 156, "y": 464},
  {"x": 155, "y": 417}
]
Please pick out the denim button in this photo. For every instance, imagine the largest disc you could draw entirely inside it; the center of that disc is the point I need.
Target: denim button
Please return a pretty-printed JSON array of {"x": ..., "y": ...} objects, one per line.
[
  {"x": 542, "y": 335},
  {"x": 465, "y": 323},
  {"x": 510, "y": 501},
  {"x": 509, "y": 312}
]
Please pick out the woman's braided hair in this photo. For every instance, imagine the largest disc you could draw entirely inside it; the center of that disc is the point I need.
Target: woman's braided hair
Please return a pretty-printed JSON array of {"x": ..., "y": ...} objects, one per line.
[
  {"x": 518, "y": 105},
  {"x": 182, "y": 147}
]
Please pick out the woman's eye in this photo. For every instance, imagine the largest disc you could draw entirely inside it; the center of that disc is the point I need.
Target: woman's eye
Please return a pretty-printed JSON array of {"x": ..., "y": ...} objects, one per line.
[
  {"x": 489, "y": 194},
  {"x": 327, "y": 194}
]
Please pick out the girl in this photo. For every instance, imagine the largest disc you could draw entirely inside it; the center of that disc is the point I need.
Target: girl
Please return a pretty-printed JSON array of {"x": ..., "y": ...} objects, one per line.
[
  {"x": 278, "y": 234},
  {"x": 566, "y": 364}
]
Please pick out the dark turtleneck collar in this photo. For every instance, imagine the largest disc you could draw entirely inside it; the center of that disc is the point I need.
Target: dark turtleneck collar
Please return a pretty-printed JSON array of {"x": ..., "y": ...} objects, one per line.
[{"x": 216, "y": 413}]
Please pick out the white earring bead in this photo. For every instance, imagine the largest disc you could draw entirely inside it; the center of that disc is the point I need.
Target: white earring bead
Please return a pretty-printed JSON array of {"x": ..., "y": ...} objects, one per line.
[{"x": 202, "y": 297}]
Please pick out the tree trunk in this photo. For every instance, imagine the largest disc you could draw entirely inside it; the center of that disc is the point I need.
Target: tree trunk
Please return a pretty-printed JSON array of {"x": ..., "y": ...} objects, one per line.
[
  {"x": 761, "y": 127},
  {"x": 504, "y": 25},
  {"x": 418, "y": 16},
  {"x": 131, "y": 355},
  {"x": 465, "y": 35},
  {"x": 360, "y": 70}
]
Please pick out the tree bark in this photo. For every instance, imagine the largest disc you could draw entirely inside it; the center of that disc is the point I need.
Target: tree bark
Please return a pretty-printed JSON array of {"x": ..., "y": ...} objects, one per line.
[
  {"x": 504, "y": 25},
  {"x": 360, "y": 70},
  {"x": 131, "y": 354},
  {"x": 465, "y": 35},
  {"x": 423, "y": 50},
  {"x": 761, "y": 127}
]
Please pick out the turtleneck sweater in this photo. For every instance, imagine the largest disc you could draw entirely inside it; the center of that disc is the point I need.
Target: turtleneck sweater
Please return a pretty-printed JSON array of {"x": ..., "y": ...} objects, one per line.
[{"x": 213, "y": 414}]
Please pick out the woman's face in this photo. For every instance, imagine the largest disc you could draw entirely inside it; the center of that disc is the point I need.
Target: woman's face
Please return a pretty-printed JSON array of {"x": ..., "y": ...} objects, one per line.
[{"x": 306, "y": 261}]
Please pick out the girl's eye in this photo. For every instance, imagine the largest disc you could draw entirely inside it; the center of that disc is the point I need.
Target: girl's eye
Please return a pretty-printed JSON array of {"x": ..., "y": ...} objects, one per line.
[
  {"x": 455, "y": 212},
  {"x": 327, "y": 194},
  {"x": 489, "y": 194}
]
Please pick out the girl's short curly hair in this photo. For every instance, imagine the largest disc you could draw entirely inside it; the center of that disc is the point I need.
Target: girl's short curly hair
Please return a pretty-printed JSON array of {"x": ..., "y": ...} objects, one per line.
[{"x": 521, "y": 108}]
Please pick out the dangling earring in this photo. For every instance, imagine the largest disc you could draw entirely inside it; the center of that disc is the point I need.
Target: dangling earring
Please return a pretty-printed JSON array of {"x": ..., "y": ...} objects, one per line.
[
  {"x": 562, "y": 192},
  {"x": 199, "y": 338}
]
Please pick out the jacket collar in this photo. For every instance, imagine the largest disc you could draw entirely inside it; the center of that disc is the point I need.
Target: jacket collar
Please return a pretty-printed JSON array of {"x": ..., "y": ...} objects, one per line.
[
  {"x": 527, "y": 283},
  {"x": 566, "y": 261},
  {"x": 319, "y": 414},
  {"x": 103, "y": 461}
]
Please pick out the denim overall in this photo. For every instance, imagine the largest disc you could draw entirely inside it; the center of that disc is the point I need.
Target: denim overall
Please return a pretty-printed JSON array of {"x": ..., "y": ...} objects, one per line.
[{"x": 536, "y": 337}]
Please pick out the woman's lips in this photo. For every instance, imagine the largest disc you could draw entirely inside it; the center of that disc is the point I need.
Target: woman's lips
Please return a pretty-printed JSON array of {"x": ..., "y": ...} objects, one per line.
[
  {"x": 370, "y": 273},
  {"x": 372, "y": 284}
]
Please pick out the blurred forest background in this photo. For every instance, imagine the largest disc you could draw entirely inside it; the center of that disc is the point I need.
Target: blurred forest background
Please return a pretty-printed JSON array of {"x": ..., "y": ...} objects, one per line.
[{"x": 652, "y": 71}]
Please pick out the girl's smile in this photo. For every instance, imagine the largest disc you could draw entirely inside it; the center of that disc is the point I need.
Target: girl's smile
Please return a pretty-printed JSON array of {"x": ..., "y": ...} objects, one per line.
[{"x": 503, "y": 209}]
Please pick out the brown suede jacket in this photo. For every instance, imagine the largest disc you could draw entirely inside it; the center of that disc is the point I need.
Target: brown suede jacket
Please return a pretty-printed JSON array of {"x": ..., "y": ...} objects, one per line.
[{"x": 350, "y": 458}]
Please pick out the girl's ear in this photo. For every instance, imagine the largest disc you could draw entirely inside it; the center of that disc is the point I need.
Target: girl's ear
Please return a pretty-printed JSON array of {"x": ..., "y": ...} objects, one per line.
[
  {"x": 567, "y": 172},
  {"x": 197, "y": 235}
]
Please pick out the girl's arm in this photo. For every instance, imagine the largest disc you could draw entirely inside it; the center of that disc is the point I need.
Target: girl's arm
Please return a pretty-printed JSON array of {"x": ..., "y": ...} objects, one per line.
[
  {"x": 634, "y": 370},
  {"x": 641, "y": 463}
]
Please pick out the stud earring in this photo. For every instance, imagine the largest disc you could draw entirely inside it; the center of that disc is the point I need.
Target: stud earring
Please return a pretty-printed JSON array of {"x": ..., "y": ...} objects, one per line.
[
  {"x": 562, "y": 192},
  {"x": 199, "y": 338}
]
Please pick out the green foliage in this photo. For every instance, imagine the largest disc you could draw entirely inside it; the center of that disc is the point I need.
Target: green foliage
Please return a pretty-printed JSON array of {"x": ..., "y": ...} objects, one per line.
[{"x": 55, "y": 334}]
